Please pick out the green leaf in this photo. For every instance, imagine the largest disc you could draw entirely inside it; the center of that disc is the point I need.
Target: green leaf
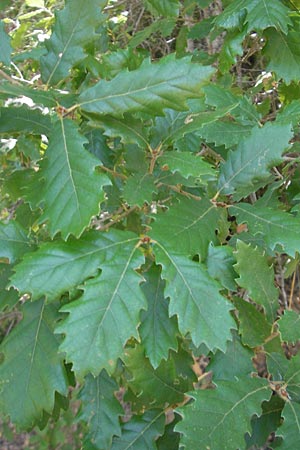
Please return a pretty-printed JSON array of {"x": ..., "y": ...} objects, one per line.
[
  {"x": 246, "y": 168},
  {"x": 290, "y": 113},
  {"x": 157, "y": 330},
  {"x": 258, "y": 278},
  {"x": 130, "y": 129},
  {"x": 263, "y": 14},
  {"x": 222, "y": 416},
  {"x": 187, "y": 165},
  {"x": 219, "y": 262},
  {"x": 289, "y": 326},
  {"x": 100, "y": 409},
  {"x": 268, "y": 422},
  {"x": 254, "y": 327},
  {"x": 48, "y": 98},
  {"x": 74, "y": 27},
  {"x": 151, "y": 88},
  {"x": 14, "y": 241},
  {"x": 166, "y": 8},
  {"x": 278, "y": 228},
  {"x": 224, "y": 133},
  {"x": 285, "y": 64},
  {"x": 110, "y": 301},
  {"x": 32, "y": 370},
  {"x": 5, "y": 47},
  {"x": 233, "y": 15},
  {"x": 72, "y": 189},
  {"x": 235, "y": 363},
  {"x": 232, "y": 47},
  {"x": 8, "y": 297},
  {"x": 160, "y": 386},
  {"x": 139, "y": 189},
  {"x": 164, "y": 26},
  {"x": 193, "y": 227},
  {"x": 56, "y": 267},
  {"x": 24, "y": 119},
  {"x": 290, "y": 429},
  {"x": 141, "y": 432},
  {"x": 195, "y": 299}
]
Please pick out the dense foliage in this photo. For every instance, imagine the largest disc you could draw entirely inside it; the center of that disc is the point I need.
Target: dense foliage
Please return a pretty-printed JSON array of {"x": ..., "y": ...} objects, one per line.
[{"x": 150, "y": 201}]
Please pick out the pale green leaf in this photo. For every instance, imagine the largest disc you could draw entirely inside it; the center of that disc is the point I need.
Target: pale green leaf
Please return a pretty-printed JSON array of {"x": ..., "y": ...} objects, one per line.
[
  {"x": 254, "y": 327},
  {"x": 193, "y": 227},
  {"x": 289, "y": 326},
  {"x": 139, "y": 189},
  {"x": 263, "y": 14},
  {"x": 195, "y": 300},
  {"x": 32, "y": 370},
  {"x": 257, "y": 277},
  {"x": 151, "y": 88},
  {"x": 278, "y": 228},
  {"x": 57, "y": 267},
  {"x": 219, "y": 418},
  {"x": 247, "y": 168},
  {"x": 14, "y": 241},
  {"x": 111, "y": 302},
  {"x": 74, "y": 27},
  {"x": 141, "y": 432},
  {"x": 286, "y": 63},
  {"x": 187, "y": 165},
  {"x": 24, "y": 119},
  {"x": 160, "y": 386},
  {"x": 5, "y": 47},
  {"x": 72, "y": 189},
  {"x": 220, "y": 260},
  {"x": 157, "y": 330},
  {"x": 100, "y": 409}
]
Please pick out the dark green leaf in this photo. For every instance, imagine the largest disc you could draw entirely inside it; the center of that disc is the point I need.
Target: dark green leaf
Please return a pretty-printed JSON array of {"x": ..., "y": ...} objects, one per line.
[
  {"x": 24, "y": 119},
  {"x": 289, "y": 326},
  {"x": 5, "y": 47},
  {"x": 14, "y": 241},
  {"x": 139, "y": 189},
  {"x": 219, "y": 265}
]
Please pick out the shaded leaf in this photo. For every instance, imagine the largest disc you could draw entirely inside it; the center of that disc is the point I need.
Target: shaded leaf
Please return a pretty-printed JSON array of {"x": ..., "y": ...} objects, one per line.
[
  {"x": 285, "y": 64},
  {"x": 72, "y": 189},
  {"x": 166, "y": 8},
  {"x": 141, "y": 432},
  {"x": 235, "y": 363},
  {"x": 254, "y": 327},
  {"x": 100, "y": 409},
  {"x": 219, "y": 262},
  {"x": 290, "y": 429},
  {"x": 8, "y": 297},
  {"x": 24, "y": 119},
  {"x": 157, "y": 330},
  {"x": 139, "y": 189},
  {"x": 257, "y": 277},
  {"x": 262, "y": 15},
  {"x": 14, "y": 241},
  {"x": 110, "y": 301},
  {"x": 156, "y": 386},
  {"x": 31, "y": 368},
  {"x": 224, "y": 133}
]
